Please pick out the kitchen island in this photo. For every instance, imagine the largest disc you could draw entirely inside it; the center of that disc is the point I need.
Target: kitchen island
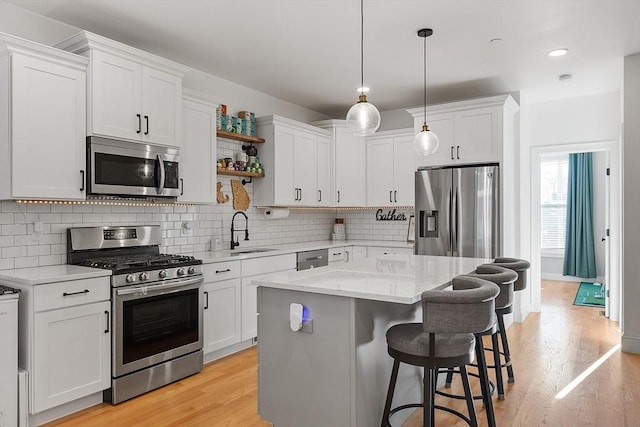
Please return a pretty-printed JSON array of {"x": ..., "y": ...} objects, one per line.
[{"x": 335, "y": 370}]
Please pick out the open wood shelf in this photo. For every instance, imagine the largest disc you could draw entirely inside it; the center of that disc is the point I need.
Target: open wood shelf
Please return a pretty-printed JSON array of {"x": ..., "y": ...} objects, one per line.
[
  {"x": 239, "y": 137},
  {"x": 221, "y": 171}
]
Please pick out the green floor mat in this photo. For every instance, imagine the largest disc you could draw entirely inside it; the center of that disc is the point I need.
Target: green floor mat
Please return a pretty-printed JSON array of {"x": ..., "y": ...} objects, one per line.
[{"x": 590, "y": 295}]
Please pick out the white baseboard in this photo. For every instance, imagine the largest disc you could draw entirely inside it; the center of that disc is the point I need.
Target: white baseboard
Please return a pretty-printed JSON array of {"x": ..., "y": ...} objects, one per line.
[
  {"x": 630, "y": 344},
  {"x": 560, "y": 278},
  {"x": 64, "y": 410}
]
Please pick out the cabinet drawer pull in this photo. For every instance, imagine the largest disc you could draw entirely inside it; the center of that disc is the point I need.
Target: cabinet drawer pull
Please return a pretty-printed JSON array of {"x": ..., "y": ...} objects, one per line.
[
  {"x": 223, "y": 271},
  {"x": 146, "y": 118},
  {"x": 452, "y": 158},
  {"x": 82, "y": 180},
  {"x": 181, "y": 186},
  {"x": 336, "y": 254},
  {"x": 139, "y": 123},
  {"x": 458, "y": 152},
  {"x": 319, "y": 195},
  {"x": 106, "y": 331},
  {"x": 206, "y": 300},
  {"x": 338, "y": 196},
  {"x": 68, "y": 294},
  {"x": 390, "y": 196},
  {"x": 395, "y": 196}
]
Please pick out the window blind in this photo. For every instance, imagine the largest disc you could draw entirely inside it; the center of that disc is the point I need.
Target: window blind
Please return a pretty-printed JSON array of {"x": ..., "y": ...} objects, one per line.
[{"x": 553, "y": 193}]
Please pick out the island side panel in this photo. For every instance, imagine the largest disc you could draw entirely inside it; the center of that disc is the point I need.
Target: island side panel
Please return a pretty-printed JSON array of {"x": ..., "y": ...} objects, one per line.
[
  {"x": 305, "y": 379},
  {"x": 373, "y": 363}
]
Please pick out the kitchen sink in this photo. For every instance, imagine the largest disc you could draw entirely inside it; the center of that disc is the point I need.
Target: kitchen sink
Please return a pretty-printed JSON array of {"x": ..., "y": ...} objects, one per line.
[{"x": 251, "y": 251}]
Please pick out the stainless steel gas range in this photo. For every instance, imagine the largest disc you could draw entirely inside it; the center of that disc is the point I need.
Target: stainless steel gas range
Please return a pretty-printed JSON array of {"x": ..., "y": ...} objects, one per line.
[{"x": 157, "y": 306}]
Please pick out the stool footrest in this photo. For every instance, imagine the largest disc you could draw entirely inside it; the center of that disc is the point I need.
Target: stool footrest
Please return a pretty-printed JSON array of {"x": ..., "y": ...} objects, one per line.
[{"x": 419, "y": 405}]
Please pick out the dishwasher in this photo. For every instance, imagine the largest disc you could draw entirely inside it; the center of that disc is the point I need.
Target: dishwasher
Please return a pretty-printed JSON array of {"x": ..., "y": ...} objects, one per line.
[{"x": 312, "y": 259}]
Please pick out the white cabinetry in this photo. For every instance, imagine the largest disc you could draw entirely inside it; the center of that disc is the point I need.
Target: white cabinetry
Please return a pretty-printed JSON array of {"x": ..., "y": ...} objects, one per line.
[
  {"x": 295, "y": 157},
  {"x": 252, "y": 268},
  {"x": 222, "y": 305},
  {"x": 472, "y": 131},
  {"x": 65, "y": 340},
  {"x": 198, "y": 151},
  {"x": 390, "y": 168},
  {"x": 348, "y": 163},
  {"x": 42, "y": 121},
  {"x": 133, "y": 95},
  {"x": 375, "y": 251}
]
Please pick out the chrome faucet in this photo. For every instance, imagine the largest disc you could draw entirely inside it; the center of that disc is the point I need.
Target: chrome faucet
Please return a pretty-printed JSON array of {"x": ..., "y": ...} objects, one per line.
[{"x": 233, "y": 230}]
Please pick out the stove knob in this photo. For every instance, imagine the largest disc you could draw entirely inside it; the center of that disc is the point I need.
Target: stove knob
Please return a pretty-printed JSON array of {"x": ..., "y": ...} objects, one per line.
[
  {"x": 130, "y": 278},
  {"x": 162, "y": 274},
  {"x": 144, "y": 276},
  {"x": 191, "y": 270},
  {"x": 180, "y": 272}
]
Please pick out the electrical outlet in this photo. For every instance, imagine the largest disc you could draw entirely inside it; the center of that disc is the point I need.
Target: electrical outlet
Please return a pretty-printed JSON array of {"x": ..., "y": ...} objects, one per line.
[{"x": 187, "y": 228}]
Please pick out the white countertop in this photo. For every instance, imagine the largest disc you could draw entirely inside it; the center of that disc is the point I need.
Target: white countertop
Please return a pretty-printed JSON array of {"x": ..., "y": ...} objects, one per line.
[
  {"x": 226, "y": 255},
  {"x": 54, "y": 273},
  {"x": 60, "y": 273},
  {"x": 392, "y": 278}
]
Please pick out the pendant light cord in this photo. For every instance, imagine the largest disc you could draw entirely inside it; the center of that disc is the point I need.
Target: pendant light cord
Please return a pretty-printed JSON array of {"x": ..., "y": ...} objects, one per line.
[
  {"x": 361, "y": 46},
  {"x": 425, "y": 80}
]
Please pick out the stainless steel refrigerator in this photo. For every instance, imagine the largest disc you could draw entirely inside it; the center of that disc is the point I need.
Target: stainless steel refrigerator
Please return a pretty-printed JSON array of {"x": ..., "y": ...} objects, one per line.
[{"x": 458, "y": 211}]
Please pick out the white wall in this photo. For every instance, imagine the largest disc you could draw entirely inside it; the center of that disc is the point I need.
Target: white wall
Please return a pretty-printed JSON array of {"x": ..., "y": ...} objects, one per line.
[{"x": 631, "y": 205}]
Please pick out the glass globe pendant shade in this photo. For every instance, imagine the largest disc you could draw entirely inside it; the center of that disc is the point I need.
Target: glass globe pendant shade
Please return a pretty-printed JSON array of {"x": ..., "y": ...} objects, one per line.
[
  {"x": 363, "y": 118},
  {"x": 426, "y": 142}
]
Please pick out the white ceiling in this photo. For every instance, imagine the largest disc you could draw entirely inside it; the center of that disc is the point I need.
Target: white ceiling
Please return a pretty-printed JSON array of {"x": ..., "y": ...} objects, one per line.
[{"x": 307, "y": 51}]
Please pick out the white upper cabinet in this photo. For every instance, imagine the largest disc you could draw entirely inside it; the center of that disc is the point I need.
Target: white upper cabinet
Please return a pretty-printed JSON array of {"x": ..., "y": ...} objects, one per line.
[
  {"x": 42, "y": 121},
  {"x": 471, "y": 131},
  {"x": 198, "y": 151},
  {"x": 295, "y": 158},
  {"x": 390, "y": 168},
  {"x": 349, "y": 165},
  {"x": 132, "y": 94}
]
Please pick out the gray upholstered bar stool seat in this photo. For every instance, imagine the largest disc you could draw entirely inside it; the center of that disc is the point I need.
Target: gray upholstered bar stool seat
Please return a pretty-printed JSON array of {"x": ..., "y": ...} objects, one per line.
[
  {"x": 444, "y": 339},
  {"x": 520, "y": 266}
]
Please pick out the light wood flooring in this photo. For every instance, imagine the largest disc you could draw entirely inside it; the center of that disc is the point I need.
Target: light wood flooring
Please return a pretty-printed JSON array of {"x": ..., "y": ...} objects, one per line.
[{"x": 550, "y": 349}]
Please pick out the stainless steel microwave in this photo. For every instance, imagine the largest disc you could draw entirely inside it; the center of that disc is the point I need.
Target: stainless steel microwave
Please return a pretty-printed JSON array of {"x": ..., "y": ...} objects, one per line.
[{"x": 123, "y": 168}]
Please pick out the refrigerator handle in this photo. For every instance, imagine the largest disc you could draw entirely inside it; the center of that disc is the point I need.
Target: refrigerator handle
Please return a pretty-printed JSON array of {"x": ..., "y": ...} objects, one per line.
[
  {"x": 454, "y": 225},
  {"x": 450, "y": 215}
]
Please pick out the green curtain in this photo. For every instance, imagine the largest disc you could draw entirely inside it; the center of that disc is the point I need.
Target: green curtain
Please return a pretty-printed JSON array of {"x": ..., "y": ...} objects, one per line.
[{"x": 579, "y": 252}]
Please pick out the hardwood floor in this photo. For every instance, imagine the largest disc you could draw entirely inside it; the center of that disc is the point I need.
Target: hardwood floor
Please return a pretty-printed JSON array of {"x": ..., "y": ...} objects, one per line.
[{"x": 550, "y": 349}]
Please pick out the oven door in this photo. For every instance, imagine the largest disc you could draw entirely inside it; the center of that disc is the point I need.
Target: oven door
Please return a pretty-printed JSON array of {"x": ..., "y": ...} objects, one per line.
[
  {"x": 156, "y": 323},
  {"x": 132, "y": 168}
]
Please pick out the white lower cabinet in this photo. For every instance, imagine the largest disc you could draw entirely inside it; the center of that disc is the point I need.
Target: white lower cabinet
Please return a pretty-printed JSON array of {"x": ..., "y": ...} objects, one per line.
[
  {"x": 374, "y": 251},
  {"x": 252, "y": 268},
  {"x": 222, "y": 305},
  {"x": 65, "y": 340},
  {"x": 72, "y": 354}
]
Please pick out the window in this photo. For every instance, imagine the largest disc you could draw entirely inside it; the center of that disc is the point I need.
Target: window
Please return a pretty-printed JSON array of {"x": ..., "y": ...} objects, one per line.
[{"x": 553, "y": 192}]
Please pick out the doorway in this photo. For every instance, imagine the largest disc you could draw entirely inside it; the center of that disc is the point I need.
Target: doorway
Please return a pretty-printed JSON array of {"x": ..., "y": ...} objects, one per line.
[{"x": 610, "y": 247}]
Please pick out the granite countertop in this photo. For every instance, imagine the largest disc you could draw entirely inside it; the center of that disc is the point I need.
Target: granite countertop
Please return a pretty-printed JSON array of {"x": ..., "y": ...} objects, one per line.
[
  {"x": 50, "y": 274},
  {"x": 226, "y": 255},
  {"x": 391, "y": 278}
]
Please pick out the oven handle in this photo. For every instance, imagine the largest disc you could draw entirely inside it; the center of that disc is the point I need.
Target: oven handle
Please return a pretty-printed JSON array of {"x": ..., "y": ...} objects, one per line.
[
  {"x": 163, "y": 287},
  {"x": 161, "y": 164}
]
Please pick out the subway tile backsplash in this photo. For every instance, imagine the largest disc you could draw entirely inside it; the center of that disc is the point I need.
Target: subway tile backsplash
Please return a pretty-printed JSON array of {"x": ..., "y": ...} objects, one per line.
[{"x": 21, "y": 246}]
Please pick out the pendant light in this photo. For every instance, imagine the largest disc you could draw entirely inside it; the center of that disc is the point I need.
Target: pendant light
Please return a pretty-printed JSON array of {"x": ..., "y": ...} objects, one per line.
[
  {"x": 425, "y": 142},
  {"x": 363, "y": 118}
]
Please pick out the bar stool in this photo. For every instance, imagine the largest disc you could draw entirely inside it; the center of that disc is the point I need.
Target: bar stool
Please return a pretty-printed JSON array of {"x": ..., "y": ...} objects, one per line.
[
  {"x": 444, "y": 339},
  {"x": 520, "y": 266},
  {"x": 505, "y": 279}
]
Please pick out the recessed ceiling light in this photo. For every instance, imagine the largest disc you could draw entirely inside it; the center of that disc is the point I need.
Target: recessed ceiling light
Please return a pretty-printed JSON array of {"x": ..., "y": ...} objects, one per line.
[
  {"x": 565, "y": 77},
  {"x": 363, "y": 89},
  {"x": 558, "y": 52}
]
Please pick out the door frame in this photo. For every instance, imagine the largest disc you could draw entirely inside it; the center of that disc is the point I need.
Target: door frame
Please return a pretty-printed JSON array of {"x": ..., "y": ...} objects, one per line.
[{"x": 615, "y": 204}]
